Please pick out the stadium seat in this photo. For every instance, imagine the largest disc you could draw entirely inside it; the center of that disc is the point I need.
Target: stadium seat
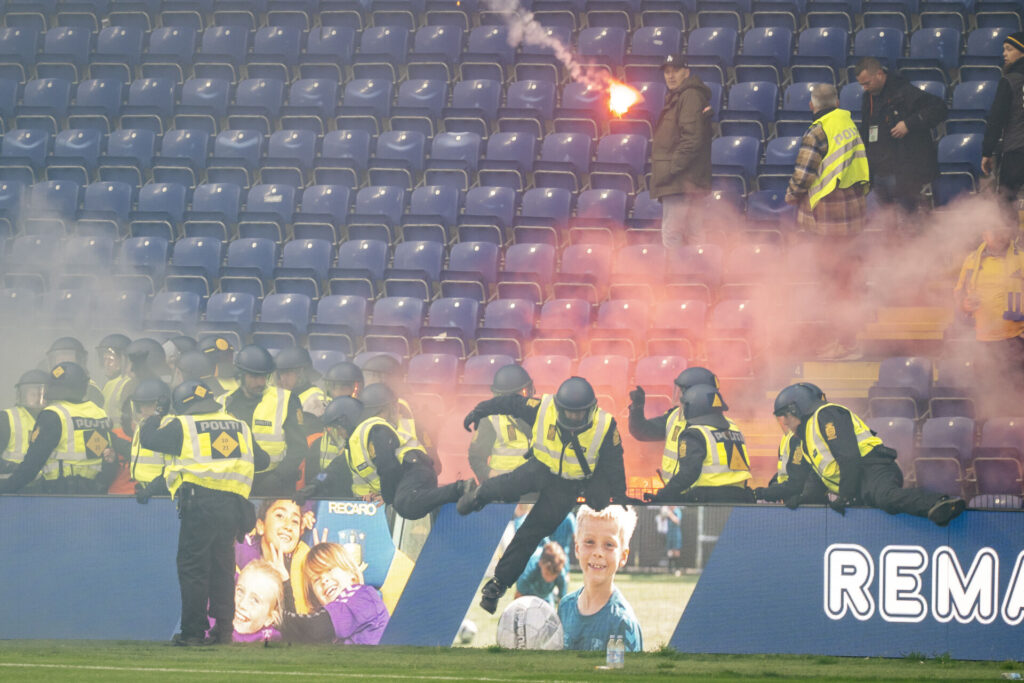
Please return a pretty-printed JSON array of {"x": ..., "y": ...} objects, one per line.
[
  {"x": 399, "y": 158},
  {"x": 340, "y": 323},
  {"x": 474, "y": 106},
  {"x": 105, "y": 208},
  {"x": 453, "y": 159},
  {"x": 489, "y": 211},
  {"x": 17, "y": 51},
  {"x": 608, "y": 374},
  {"x": 380, "y": 49},
  {"x": 544, "y": 215},
  {"x": 451, "y": 326},
  {"x": 564, "y": 161},
  {"x": 142, "y": 260},
  {"x": 766, "y": 54},
  {"x": 367, "y": 101},
  {"x": 558, "y": 328},
  {"x": 619, "y": 162},
  {"x": 230, "y": 313},
  {"x": 44, "y": 104},
  {"x": 602, "y": 46},
  {"x": 236, "y": 156},
  {"x": 275, "y": 52},
  {"x": 656, "y": 374},
  {"x": 751, "y": 109},
  {"x": 311, "y": 101},
  {"x": 118, "y": 52},
  {"x": 478, "y": 371},
  {"x": 344, "y": 156},
  {"x": 433, "y": 213},
  {"x": 898, "y": 434},
  {"x": 304, "y": 266},
  {"x": 182, "y": 157},
  {"x": 435, "y": 52},
  {"x": 257, "y": 105},
  {"x": 323, "y": 212},
  {"x": 415, "y": 269},
  {"x": 527, "y": 272},
  {"x": 736, "y": 156},
  {"x": 600, "y": 214},
  {"x": 395, "y": 326},
  {"x": 65, "y": 53},
  {"x": 194, "y": 265},
  {"x": 507, "y": 326},
  {"x": 509, "y": 159},
  {"x": 886, "y": 44},
  {"x": 160, "y": 209},
  {"x": 528, "y": 104},
  {"x": 203, "y": 104},
  {"x": 329, "y": 50},
  {"x": 173, "y": 312},
  {"x": 620, "y": 327},
  {"x": 714, "y": 47},
  {"x": 222, "y": 52},
  {"x": 169, "y": 53},
  {"x": 419, "y": 105},
  {"x": 360, "y": 267},
  {"x": 284, "y": 320},
  {"x": 378, "y": 209}
]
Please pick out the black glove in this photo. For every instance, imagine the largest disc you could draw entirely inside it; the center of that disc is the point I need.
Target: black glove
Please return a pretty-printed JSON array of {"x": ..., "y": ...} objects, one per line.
[
  {"x": 472, "y": 420},
  {"x": 760, "y": 492},
  {"x": 163, "y": 405},
  {"x": 307, "y": 492},
  {"x": 838, "y": 504},
  {"x": 793, "y": 502},
  {"x": 142, "y": 493},
  {"x": 637, "y": 397},
  {"x": 650, "y": 497}
]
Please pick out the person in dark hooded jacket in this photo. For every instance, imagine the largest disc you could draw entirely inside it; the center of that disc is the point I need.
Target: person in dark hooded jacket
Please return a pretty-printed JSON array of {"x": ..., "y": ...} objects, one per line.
[
  {"x": 896, "y": 125},
  {"x": 681, "y": 153},
  {"x": 1006, "y": 120}
]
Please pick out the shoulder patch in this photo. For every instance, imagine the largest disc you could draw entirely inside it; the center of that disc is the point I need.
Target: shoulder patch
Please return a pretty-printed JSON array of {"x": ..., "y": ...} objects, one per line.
[
  {"x": 616, "y": 439},
  {"x": 551, "y": 432},
  {"x": 35, "y": 434},
  {"x": 298, "y": 416},
  {"x": 682, "y": 448},
  {"x": 830, "y": 431},
  {"x": 533, "y": 402}
]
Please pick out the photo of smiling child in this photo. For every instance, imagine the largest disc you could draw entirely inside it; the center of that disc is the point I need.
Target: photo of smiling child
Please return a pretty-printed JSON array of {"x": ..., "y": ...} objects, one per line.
[
  {"x": 346, "y": 610},
  {"x": 277, "y": 539},
  {"x": 598, "y": 610},
  {"x": 259, "y": 597}
]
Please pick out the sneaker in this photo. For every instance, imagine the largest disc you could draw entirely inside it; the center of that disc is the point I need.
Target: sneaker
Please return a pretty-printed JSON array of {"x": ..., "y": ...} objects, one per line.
[
  {"x": 467, "y": 502},
  {"x": 946, "y": 510},
  {"x": 490, "y": 594},
  {"x": 181, "y": 640}
]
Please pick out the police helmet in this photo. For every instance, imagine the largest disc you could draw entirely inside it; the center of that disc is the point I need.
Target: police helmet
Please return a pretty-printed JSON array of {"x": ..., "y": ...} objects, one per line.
[
  {"x": 800, "y": 400},
  {"x": 511, "y": 379},
  {"x": 575, "y": 395},
  {"x": 345, "y": 412},
  {"x": 192, "y": 397},
  {"x": 376, "y": 397},
  {"x": 694, "y": 376},
  {"x": 254, "y": 360},
  {"x": 113, "y": 342},
  {"x": 34, "y": 376},
  {"x": 195, "y": 365},
  {"x": 151, "y": 390},
  {"x": 149, "y": 354},
  {"x": 345, "y": 372},
  {"x": 183, "y": 343},
  {"x": 702, "y": 399},
  {"x": 69, "y": 344},
  {"x": 382, "y": 364},
  {"x": 67, "y": 382},
  {"x": 218, "y": 347},
  {"x": 293, "y": 358}
]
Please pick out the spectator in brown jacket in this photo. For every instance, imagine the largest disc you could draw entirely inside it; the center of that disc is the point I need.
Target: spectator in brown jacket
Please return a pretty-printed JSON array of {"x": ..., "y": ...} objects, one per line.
[{"x": 681, "y": 153}]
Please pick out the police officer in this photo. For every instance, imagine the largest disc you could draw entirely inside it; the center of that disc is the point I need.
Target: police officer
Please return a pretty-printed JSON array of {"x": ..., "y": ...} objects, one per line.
[
  {"x": 501, "y": 442},
  {"x": 851, "y": 461},
  {"x": 576, "y": 449},
  {"x": 343, "y": 379},
  {"x": 276, "y": 419},
  {"x": 669, "y": 426},
  {"x": 332, "y": 476},
  {"x": 146, "y": 360},
  {"x": 383, "y": 465},
  {"x": 198, "y": 366},
  {"x": 111, "y": 353},
  {"x": 294, "y": 372},
  {"x": 70, "y": 350},
  {"x": 151, "y": 397},
  {"x": 222, "y": 352},
  {"x": 793, "y": 482},
  {"x": 71, "y": 443},
  {"x": 18, "y": 422},
  {"x": 384, "y": 369},
  {"x": 210, "y": 474},
  {"x": 711, "y": 463}
]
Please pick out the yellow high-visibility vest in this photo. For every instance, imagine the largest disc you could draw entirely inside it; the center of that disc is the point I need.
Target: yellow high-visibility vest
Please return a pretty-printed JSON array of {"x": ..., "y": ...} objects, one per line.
[
  {"x": 510, "y": 444},
  {"x": 85, "y": 434},
  {"x": 147, "y": 465},
  {"x": 365, "y": 479},
  {"x": 216, "y": 453},
  {"x": 818, "y": 452},
  {"x": 22, "y": 423},
  {"x": 670, "y": 455},
  {"x": 725, "y": 457},
  {"x": 113, "y": 394},
  {"x": 560, "y": 457},
  {"x": 845, "y": 164},
  {"x": 268, "y": 423}
]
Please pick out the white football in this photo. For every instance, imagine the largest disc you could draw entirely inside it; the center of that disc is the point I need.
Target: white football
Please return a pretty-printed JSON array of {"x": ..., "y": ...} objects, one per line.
[
  {"x": 467, "y": 631},
  {"x": 530, "y": 623}
]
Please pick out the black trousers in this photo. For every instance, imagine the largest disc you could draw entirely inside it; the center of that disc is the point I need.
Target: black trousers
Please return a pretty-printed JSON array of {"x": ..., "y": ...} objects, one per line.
[
  {"x": 1011, "y": 172},
  {"x": 417, "y": 493},
  {"x": 206, "y": 559},
  {"x": 557, "y": 498},
  {"x": 881, "y": 486},
  {"x": 717, "y": 494}
]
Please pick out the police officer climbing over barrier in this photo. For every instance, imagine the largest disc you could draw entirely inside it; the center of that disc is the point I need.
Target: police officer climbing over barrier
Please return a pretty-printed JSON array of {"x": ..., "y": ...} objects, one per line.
[
  {"x": 70, "y": 446},
  {"x": 793, "y": 482},
  {"x": 576, "y": 449},
  {"x": 384, "y": 467},
  {"x": 852, "y": 462},
  {"x": 711, "y": 463},
  {"x": 209, "y": 472},
  {"x": 501, "y": 442},
  {"x": 18, "y": 422},
  {"x": 332, "y": 475},
  {"x": 384, "y": 369},
  {"x": 275, "y": 417}
]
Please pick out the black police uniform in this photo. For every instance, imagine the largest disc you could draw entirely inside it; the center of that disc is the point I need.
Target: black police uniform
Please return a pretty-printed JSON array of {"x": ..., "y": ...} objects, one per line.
[
  {"x": 281, "y": 480},
  {"x": 211, "y": 521},
  {"x": 800, "y": 484},
  {"x": 557, "y": 495},
  {"x": 333, "y": 481},
  {"x": 694, "y": 449}
]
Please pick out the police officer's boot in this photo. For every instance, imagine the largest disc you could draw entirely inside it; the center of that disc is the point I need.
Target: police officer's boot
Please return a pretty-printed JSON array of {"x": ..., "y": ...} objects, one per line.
[
  {"x": 490, "y": 594},
  {"x": 944, "y": 511},
  {"x": 468, "y": 502}
]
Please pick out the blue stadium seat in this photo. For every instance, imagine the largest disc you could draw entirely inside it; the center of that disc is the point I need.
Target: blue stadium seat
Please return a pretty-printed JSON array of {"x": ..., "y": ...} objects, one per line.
[
  {"x": 488, "y": 54},
  {"x": 304, "y": 266},
  {"x": 453, "y": 159},
  {"x": 222, "y": 52},
  {"x": 105, "y": 208},
  {"x": 537, "y": 60},
  {"x": 51, "y": 206},
  {"x": 173, "y": 312},
  {"x": 564, "y": 161},
  {"x": 960, "y": 153},
  {"x": 381, "y": 48},
  {"x": 415, "y": 269},
  {"x": 142, "y": 261},
  {"x": 600, "y": 214},
  {"x": 230, "y": 313},
  {"x": 361, "y": 265},
  {"x": 451, "y": 326},
  {"x": 75, "y": 155},
  {"x": 474, "y": 106},
  {"x": 169, "y": 53},
  {"x": 268, "y": 211},
  {"x": 129, "y": 156},
  {"x": 934, "y": 53},
  {"x": 886, "y": 44},
  {"x": 65, "y": 53},
  {"x": 528, "y": 104},
  {"x": 311, "y": 101},
  {"x": 655, "y": 41},
  {"x": 712, "y": 47},
  {"x": 897, "y": 433},
  {"x": 378, "y": 209},
  {"x": 603, "y": 46},
  {"x": 851, "y": 98},
  {"x": 340, "y": 323},
  {"x": 160, "y": 209},
  {"x": 344, "y": 156},
  {"x": 395, "y": 324},
  {"x": 555, "y": 346},
  {"x": 489, "y": 211},
  {"x": 17, "y": 51},
  {"x": 432, "y": 374},
  {"x": 948, "y": 437},
  {"x": 328, "y": 50},
  {"x": 204, "y": 102},
  {"x": 527, "y": 272},
  {"x": 509, "y": 160},
  {"x": 214, "y": 212},
  {"x": 257, "y": 105},
  {"x": 194, "y": 265},
  {"x": 249, "y": 266},
  {"x": 433, "y": 213},
  {"x": 289, "y": 160},
  {"x": 182, "y": 157},
  {"x": 23, "y": 154},
  {"x": 901, "y": 379},
  {"x": 821, "y": 55},
  {"x": 284, "y": 320},
  {"x": 419, "y": 105},
  {"x": 367, "y": 101},
  {"x": 936, "y": 88},
  {"x": 767, "y": 53},
  {"x": 9, "y": 93},
  {"x": 118, "y": 52},
  {"x": 544, "y": 216},
  {"x": 399, "y": 158},
  {"x": 236, "y": 156},
  {"x": 736, "y": 156},
  {"x": 435, "y": 52},
  {"x": 150, "y": 104},
  {"x": 507, "y": 326},
  {"x": 751, "y": 109},
  {"x": 323, "y": 212},
  {"x": 275, "y": 51},
  {"x": 44, "y": 104},
  {"x": 97, "y": 104},
  {"x": 619, "y": 162},
  {"x": 582, "y": 109},
  {"x": 472, "y": 270},
  {"x": 478, "y": 371}
]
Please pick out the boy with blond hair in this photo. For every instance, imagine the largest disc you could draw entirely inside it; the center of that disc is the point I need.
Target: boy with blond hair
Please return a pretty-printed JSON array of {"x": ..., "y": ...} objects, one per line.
[{"x": 598, "y": 610}]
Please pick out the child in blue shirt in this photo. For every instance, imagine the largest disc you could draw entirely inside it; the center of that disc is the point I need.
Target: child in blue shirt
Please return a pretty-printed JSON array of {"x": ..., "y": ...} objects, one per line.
[
  {"x": 598, "y": 610},
  {"x": 546, "y": 575}
]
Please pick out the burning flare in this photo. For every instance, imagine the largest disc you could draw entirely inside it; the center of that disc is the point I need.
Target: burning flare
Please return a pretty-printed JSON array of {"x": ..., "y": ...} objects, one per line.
[{"x": 621, "y": 97}]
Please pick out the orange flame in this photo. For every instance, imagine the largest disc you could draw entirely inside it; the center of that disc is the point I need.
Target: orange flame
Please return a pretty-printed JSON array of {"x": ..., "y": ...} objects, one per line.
[{"x": 621, "y": 97}]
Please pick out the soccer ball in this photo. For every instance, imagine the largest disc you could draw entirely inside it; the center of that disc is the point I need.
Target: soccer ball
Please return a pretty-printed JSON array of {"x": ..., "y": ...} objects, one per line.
[
  {"x": 530, "y": 623},
  {"x": 467, "y": 631}
]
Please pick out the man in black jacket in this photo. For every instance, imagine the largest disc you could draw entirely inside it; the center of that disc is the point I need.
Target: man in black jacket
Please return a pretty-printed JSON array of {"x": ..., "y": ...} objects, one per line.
[
  {"x": 896, "y": 125},
  {"x": 1006, "y": 120}
]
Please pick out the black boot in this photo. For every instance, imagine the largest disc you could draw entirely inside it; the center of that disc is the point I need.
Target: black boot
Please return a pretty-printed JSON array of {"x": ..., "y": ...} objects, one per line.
[
  {"x": 467, "y": 502},
  {"x": 490, "y": 594},
  {"x": 944, "y": 511}
]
